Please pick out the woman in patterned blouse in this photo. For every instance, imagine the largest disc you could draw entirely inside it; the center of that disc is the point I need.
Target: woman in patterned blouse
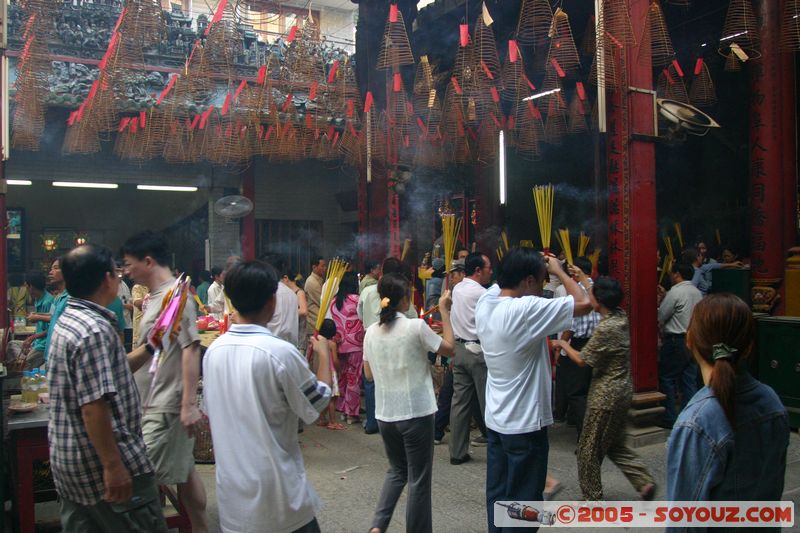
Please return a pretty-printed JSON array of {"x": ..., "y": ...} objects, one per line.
[{"x": 608, "y": 353}]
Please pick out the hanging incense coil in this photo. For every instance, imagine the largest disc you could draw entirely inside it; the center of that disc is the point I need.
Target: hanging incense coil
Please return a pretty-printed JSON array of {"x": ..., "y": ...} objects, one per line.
[
  {"x": 616, "y": 23},
  {"x": 670, "y": 85},
  {"x": 527, "y": 130},
  {"x": 513, "y": 80},
  {"x": 655, "y": 38},
  {"x": 702, "y": 92},
  {"x": 741, "y": 27},
  {"x": 611, "y": 75},
  {"x": 555, "y": 125},
  {"x": 353, "y": 147},
  {"x": 485, "y": 56},
  {"x": 304, "y": 64},
  {"x": 395, "y": 49},
  {"x": 488, "y": 140},
  {"x": 563, "y": 54},
  {"x": 533, "y": 26},
  {"x": 223, "y": 44},
  {"x": 81, "y": 138},
  {"x": 577, "y": 116},
  {"x": 732, "y": 63},
  {"x": 176, "y": 147},
  {"x": 790, "y": 26},
  {"x": 552, "y": 84},
  {"x": 343, "y": 89}
]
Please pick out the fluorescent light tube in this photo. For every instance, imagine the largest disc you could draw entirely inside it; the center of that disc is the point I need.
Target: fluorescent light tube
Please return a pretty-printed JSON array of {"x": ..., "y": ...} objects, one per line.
[
  {"x": 19, "y": 182},
  {"x": 502, "y": 170},
  {"x": 166, "y": 188},
  {"x": 85, "y": 185}
]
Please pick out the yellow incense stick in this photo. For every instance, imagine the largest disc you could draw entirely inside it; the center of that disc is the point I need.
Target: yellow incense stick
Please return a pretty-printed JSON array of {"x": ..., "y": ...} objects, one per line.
[
  {"x": 666, "y": 267},
  {"x": 679, "y": 233},
  {"x": 504, "y": 236},
  {"x": 563, "y": 239},
  {"x": 719, "y": 237},
  {"x": 668, "y": 244},
  {"x": 583, "y": 243},
  {"x": 595, "y": 258},
  {"x": 336, "y": 270},
  {"x": 543, "y": 201},
  {"x": 450, "y": 230},
  {"x": 406, "y": 248}
]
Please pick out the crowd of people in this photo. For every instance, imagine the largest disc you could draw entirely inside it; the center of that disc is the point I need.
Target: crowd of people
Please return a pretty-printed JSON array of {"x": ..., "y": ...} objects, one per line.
[{"x": 123, "y": 417}]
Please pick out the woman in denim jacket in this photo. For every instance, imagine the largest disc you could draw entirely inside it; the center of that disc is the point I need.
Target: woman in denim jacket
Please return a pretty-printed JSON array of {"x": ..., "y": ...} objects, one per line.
[{"x": 730, "y": 441}]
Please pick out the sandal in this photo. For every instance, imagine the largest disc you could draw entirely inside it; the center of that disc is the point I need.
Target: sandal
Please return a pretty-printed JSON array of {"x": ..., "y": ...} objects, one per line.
[{"x": 335, "y": 426}]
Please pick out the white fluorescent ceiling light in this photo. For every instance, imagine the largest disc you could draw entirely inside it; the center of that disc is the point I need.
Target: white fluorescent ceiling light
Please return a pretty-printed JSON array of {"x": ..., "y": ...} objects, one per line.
[
  {"x": 540, "y": 95},
  {"x": 19, "y": 182},
  {"x": 85, "y": 185},
  {"x": 173, "y": 188}
]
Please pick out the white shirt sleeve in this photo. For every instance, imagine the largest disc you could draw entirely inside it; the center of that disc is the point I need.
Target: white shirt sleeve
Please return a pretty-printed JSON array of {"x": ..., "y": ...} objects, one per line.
[
  {"x": 548, "y": 316},
  {"x": 306, "y": 395},
  {"x": 429, "y": 340}
]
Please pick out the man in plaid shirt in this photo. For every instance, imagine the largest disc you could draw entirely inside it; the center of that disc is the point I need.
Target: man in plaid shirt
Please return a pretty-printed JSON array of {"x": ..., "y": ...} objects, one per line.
[{"x": 97, "y": 453}]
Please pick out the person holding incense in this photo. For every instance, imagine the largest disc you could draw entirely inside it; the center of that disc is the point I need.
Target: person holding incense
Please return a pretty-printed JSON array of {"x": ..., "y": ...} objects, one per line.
[
  {"x": 396, "y": 358},
  {"x": 607, "y": 355},
  {"x": 350, "y": 346}
]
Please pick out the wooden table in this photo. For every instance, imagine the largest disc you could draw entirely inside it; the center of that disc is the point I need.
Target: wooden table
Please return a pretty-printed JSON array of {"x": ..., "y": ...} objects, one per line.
[{"x": 28, "y": 436}]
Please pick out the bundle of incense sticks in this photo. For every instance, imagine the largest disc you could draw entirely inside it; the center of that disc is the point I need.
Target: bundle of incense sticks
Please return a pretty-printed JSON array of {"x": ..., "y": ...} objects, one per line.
[
  {"x": 450, "y": 230},
  {"x": 666, "y": 267},
  {"x": 562, "y": 235},
  {"x": 406, "y": 248},
  {"x": 679, "y": 234},
  {"x": 583, "y": 243},
  {"x": 503, "y": 248},
  {"x": 336, "y": 270},
  {"x": 594, "y": 257},
  {"x": 668, "y": 244},
  {"x": 543, "y": 200}
]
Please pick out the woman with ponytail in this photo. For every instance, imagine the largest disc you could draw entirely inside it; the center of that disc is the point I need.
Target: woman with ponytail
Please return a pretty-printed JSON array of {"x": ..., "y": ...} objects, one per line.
[
  {"x": 730, "y": 441},
  {"x": 396, "y": 358}
]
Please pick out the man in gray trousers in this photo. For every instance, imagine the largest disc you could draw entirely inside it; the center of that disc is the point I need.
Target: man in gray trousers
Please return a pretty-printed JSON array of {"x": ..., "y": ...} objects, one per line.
[{"x": 469, "y": 368}]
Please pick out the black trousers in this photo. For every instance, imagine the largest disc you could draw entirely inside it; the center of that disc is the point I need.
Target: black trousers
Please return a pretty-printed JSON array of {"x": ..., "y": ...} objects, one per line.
[{"x": 572, "y": 387}]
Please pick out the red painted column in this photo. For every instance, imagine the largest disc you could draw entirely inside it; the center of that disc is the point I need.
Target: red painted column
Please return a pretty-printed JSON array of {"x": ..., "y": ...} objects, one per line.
[
  {"x": 767, "y": 208},
  {"x": 788, "y": 106},
  {"x": 632, "y": 229},
  {"x": 249, "y": 222}
]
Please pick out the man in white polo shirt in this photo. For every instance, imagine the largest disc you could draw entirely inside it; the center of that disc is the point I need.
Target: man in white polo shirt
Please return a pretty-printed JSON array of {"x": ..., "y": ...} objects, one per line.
[
  {"x": 513, "y": 324},
  {"x": 255, "y": 388}
]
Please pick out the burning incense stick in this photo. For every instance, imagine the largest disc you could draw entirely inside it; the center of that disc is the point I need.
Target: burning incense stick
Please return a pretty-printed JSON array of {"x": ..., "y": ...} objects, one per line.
[
  {"x": 562, "y": 235},
  {"x": 595, "y": 258},
  {"x": 406, "y": 248},
  {"x": 336, "y": 270},
  {"x": 719, "y": 237},
  {"x": 504, "y": 236},
  {"x": 666, "y": 267},
  {"x": 583, "y": 243},
  {"x": 679, "y": 233},
  {"x": 450, "y": 230},
  {"x": 543, "y": 199},
  {"x": 668, "y": 244}
]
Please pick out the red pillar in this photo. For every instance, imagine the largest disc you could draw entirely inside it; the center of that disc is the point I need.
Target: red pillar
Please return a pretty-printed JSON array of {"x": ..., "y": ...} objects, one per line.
[
  {"x": 632, "y": 229},
  {"x": 767, "y": 208},
  {"x": 788, "y": 108},
  {"x": 249, "y": 222}
]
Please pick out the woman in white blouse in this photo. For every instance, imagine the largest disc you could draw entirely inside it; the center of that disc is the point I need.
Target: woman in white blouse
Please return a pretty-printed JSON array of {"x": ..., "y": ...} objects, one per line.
[{"x": 396, "y": 358}]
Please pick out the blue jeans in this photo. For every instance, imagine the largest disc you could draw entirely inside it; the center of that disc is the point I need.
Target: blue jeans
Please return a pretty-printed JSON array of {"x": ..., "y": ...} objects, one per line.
[
  {"x": 516, "y": 469},
  {"x": 676, "y": 368},
  {"x": 370, "y": 424}
]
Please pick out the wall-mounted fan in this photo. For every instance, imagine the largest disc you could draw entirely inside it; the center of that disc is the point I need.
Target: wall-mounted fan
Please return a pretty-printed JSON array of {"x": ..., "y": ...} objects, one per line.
[
  {"x": 685, "y": 118},
  {"x": 233, "y": 207}
]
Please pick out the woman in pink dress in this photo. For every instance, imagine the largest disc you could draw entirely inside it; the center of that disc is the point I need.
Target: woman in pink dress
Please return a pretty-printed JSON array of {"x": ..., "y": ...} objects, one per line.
[{"x": 350, "y": 340}]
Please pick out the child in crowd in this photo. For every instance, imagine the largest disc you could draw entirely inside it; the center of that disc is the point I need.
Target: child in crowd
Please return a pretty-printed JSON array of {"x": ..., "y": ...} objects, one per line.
[{"x": 328, "y": 330}]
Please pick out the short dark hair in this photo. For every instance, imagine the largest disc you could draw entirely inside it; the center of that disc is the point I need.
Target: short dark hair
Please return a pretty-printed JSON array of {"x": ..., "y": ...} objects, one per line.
[
  {"x": 215, "y": 271},
  {"x": 608, "y": 292},
  {"x": 316, "y": 261},
  {"x": 518, "y": 264},
  {"x": 584, "y": 264},
  {"x": 328, "y": 329},
  {"x": 685, "y": 270},
  {"x": 36, "y": 280},
  {"x": 392, "y": 265},
  {"x": 370, "y": 265},
  {"x": 147, "y": 243},
  {"x": 250, "y": 285},
  {"x": 460, "y": 248},
  {"x": 205, "y": 275},
  {"x": 85, "y": 268},
  {"x": 473, "y": 261},
  {"x": 689, "y": 255}
]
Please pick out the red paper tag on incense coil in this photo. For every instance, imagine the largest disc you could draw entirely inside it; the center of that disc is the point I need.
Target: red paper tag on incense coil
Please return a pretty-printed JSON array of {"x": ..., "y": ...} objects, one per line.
[
  {"x": 460, "y": 127},
  {"x": 529, "y": 82},
  {"x": 511, "y": 122},
  {"x": 393, "y": 13},
  {"x": 353, "y": 131},
  {"x": 260, "y": 133},
  {"x": 350, "y": 108},
  {"x": 79, "y": 114},
  {"x": 368, "y": 102},
  {"x": 332, "y": 73},
  {"x": 123, "y": 123},
  {"x": 287, "y": 103},
  {"x": 698, "y": 66},
  {"x": 134, "y": 126},
  {"x": 312, "y": 93},
  {"x": 534, "y": 111},
  {"x": 335, "y": 138},
  {"x": 581, "y": 90},
  {"x": 316, "y": 134},
  {"x": 559, "y": 70},
  {"x": 409, "y": 109},
  {"x": 581, "y": 109},
  {"x": 119, "y": 19},
  {"x": 228, "y": 131},
  {"x": 463, "y": 31},
  {"x": 71, "y": 118},
  {"x": 397, "y": 84},
  {"x": 239, "y": 89},
  {"x": 456, "y": 86},
  {"x": 262, "y": 75},
  {"x": 93, "y": 90},
  {"x": 495, "y": 94},
  {"x": 225, "y": 105},
  {"x": 485, "y": 68},
  {"x": 473, "y": 134},
  {"x": 668, "y": 76},
  {"x": 496, "y": 122},
  {"x": 513, "y": 51},
  {"x": 269, "y": 133},
  {"x": 142, "y": 119},
  {"x": 678, "y": 68},
  {"x": 421, "y": 125},
  {"x": 167, "y": 89},
  {"x": 292, "y": 34},
  {"x": 330, "y": 131},
  {"x": 614, "y": 40},
  {"x": 406, "y": 141},
  {"x": 309, "y": 121}
]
